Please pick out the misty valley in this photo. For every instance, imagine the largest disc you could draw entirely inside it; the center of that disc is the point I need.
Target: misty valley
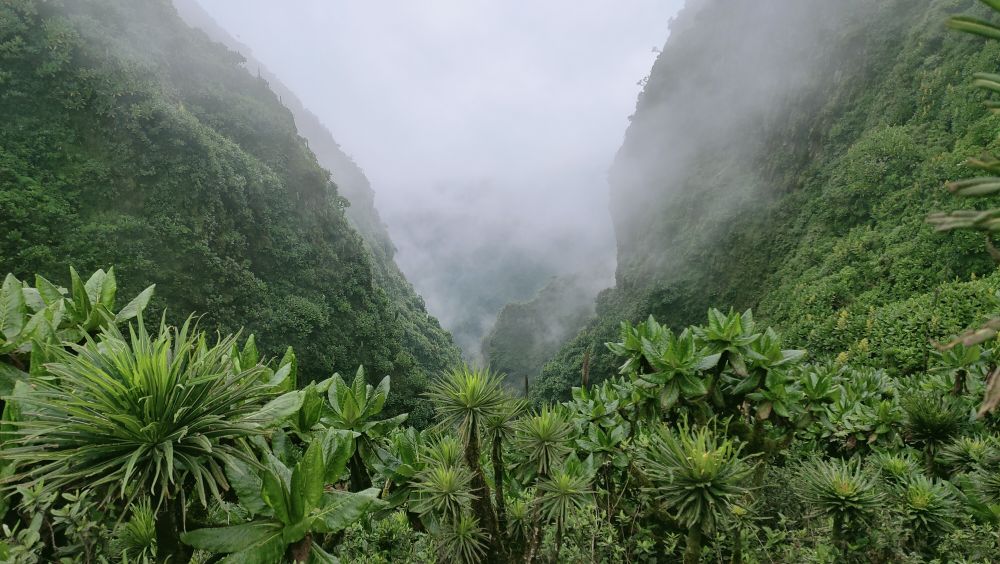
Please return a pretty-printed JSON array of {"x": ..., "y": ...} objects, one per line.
[{"x": 463, "y": 281}]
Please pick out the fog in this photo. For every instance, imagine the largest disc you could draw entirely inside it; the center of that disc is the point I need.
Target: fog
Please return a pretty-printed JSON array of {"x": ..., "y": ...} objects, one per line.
[
  {"x": 486, "y": 128},
  {"x": 724, "y": 108}
]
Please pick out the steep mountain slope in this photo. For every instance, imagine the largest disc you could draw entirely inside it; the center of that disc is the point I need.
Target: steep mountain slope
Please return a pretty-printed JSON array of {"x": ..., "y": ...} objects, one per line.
[
  {"x": 784, "y": 158},
  {"x": 131, "y": 139},
  {"x": 527, "y": 334},
  {"x": 422, "y": 334}
]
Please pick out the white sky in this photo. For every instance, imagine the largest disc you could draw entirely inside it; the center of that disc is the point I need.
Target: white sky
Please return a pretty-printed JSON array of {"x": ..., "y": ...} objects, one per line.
[{"x": 519, "y": 94}]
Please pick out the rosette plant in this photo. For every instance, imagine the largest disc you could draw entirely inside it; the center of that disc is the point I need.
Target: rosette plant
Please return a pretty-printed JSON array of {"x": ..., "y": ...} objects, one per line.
[
  {"x": 840, "y": 490},
  {"x": 356, "y": 408},
  {"x": 292, "y": 507},
  {"x": 675, "y": 363},
  {"x": 729, "y": 336},
  {"x": 698, "y": 476},
  {"x": 31, "y": 317},
  {"x": 143, "y": 415},
  {"x": 464, "y": 399}
]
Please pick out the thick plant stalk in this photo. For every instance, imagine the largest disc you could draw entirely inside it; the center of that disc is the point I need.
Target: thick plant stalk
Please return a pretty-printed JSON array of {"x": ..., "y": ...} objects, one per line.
[
  {"x": 737, "y": 546},
  {"x": 482, "y": 506},
  {"x": 360, "y": 480},
  {"x": 692, "y": 551},
  {"x": 300, "y": 551},
  {"x": 498, "y": 489},
  {"x": 559, "y": 535},
  {"x": 959, "y": 388},
  {"x": 839, "y": 539},
  {"x": 169, "y": 525},
  {"x": 535, "y": 540}
]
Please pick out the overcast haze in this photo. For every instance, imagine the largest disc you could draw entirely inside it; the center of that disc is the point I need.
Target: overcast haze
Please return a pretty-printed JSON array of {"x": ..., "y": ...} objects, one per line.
[{"x": 496, "y": 121}]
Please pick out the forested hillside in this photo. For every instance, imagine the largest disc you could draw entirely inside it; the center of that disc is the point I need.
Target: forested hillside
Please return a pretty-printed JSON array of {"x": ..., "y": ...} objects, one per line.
[
  {"x": 527, "y": 334},
  {"x": 132, "y": 140},
  {"x": 789, "y": 155},
  {"x": 788, "y": 165}
]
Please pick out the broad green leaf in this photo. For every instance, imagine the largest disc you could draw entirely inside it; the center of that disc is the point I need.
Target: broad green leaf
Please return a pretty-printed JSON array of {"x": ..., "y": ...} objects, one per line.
[
  {"x": 307, "y": 482},
  {"x": 282, "y": 377},
  {"x": 93, "y": 286},
  {"x": 81, "y": 301},
  {"x": 270, "y": 551},
  {"x": 382, "y": 428},
  {"x": 691, "y": 386},
  {"x": 9, "y": 377},
  {"x": 709, "y": 361},
  {"x": 48, "y": 291},
  {"x": 378, "y": 398},
  {"x": 33, "y": 299},
  {"x": 135, "y": 307},
  {"x": 320, "y": 556},
  {"x": 233, "y": 538},
  {"x": 247, "y": 485},
  {"x": 39, "y": 356},
  {"x": 338, "y": 447},
  {"x": 669, "y": 394},
  {"x": 108, "y": 290},
  {"x": 297, "y": 531},
  {"x": 249, "y": 356},
  {"x": 274, "y": 494},
  {"x": 39, "y": 328},
  {"x": 12, "y": 308},
  {"x": 336, "y": 391},
  {"x": 278, "y": 410},
  {"x": 341, "y": 509}
]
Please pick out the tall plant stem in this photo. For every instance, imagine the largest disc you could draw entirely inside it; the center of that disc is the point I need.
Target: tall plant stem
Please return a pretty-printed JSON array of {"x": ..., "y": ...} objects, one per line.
[
  {"x": 482, "y": 507},
  {"x": 169, "y": 525},
  {"x": 498, "y": 486},
  {"x": 692, "y": 551}
]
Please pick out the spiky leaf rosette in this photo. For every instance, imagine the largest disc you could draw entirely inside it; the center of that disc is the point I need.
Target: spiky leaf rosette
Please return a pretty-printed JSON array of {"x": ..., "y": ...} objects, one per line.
[
  {"x": 932, "y": 419},
  {"x": 838, "y": 488},
  {"x": 465, "y": 398},
  {"x": 697, "y": 474},
  {"x": 445, "y": 450},
  {"x": 543, "y": 441},
  {"x": 563, "y": 492},
  {"x": 141, "y": 414},
  {"x": 968, "y": 454},
  {"x": 135, "y": 539},
  {"x": 987, "y": 485},
  {"x": 462, "y": 541},
  {"x": 930, "y": 506},
  {"x": 443, "y": 492},
  {"x": 896, "y": 467}
]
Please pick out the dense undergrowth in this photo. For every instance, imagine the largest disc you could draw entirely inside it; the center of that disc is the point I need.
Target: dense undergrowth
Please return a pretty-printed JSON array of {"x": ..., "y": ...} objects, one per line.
[
  {"x": 125, "y": 439},
  {"x": 813, "y": 216},
  {"x": 712, "y": 444}
]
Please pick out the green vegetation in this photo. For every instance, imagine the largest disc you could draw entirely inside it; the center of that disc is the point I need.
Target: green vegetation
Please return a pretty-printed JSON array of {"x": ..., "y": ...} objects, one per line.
[
  {"x": 877, "y": 441},
  {"x": 132, "y": 139},
  {"x": 526, "y": 335},
  {"x": 816, "y": 218}
]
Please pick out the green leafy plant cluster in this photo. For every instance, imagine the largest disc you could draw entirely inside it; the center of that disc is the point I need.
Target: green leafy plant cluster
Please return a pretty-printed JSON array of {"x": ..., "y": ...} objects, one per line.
[{"x": 132, "y": 139}]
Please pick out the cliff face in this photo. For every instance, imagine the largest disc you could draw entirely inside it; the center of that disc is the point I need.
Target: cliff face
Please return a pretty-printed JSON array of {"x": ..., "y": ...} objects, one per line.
[
  {"x": 132, "y": 139},
  {"x": 783, "y": 158},
  {"x": 431, "y": 346}
]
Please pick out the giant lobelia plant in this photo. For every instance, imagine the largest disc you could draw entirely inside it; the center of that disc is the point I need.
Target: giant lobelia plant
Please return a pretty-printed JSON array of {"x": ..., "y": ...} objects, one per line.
[{"x": 155, "y": 415}]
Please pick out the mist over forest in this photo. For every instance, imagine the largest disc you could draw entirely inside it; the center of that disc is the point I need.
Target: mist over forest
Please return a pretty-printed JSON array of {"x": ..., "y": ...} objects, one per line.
[
  {"x": 484, "y": 282},
  {"x": 487, "y": 192}
]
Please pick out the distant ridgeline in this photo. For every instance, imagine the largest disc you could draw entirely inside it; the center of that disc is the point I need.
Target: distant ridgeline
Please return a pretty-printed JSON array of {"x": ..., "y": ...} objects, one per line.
[
  {"x": 133, "y": 140},
  {"x": 784, "y": 157}
]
